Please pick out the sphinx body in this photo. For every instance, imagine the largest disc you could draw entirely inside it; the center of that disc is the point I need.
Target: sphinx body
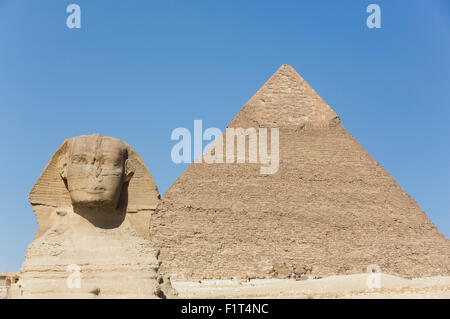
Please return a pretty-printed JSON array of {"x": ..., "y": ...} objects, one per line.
[{"x": 93, "y": 204}]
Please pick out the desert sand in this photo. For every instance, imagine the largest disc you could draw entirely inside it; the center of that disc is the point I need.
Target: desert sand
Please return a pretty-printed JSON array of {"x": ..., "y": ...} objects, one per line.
[{"x": 342, "y": 286}]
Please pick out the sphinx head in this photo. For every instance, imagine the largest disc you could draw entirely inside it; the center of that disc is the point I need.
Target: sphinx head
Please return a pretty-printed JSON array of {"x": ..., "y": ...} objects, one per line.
[
  {"x": 95, "y": 169},
  {"x": 94, "y": 176}
]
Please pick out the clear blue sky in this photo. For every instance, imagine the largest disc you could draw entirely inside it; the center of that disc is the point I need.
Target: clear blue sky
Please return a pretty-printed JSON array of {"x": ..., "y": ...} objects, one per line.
[{"x": 138, "y": 69}]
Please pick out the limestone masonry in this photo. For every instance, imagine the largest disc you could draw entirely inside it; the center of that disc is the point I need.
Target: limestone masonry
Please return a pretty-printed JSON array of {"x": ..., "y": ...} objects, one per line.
[{"x": 329, "y": 209}]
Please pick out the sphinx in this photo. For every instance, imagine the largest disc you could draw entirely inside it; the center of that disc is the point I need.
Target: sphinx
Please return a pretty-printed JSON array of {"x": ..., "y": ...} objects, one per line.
[{"x": 93, "y": 204}]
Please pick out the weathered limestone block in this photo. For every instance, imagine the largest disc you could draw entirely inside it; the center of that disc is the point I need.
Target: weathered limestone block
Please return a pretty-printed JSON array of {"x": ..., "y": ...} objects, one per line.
[{"x": 93, "y": 204}]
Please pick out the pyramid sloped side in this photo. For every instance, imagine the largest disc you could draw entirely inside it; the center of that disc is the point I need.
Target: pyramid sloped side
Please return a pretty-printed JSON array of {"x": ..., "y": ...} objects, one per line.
[{"x": 330, "y": 208}]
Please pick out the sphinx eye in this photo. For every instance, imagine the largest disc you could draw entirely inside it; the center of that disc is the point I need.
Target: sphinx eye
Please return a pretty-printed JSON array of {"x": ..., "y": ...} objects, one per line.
[
  {"x": 79, "y": 160},
  {"x": 114, "y": 161}
]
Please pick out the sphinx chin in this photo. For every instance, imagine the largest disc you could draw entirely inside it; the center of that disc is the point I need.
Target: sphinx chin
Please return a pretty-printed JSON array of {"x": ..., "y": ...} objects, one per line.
[{"x": 102, "y": 199}]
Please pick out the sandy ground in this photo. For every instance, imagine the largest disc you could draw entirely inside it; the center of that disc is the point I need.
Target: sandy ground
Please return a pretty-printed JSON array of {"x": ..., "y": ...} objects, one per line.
[{"x": 345, "y": 286}]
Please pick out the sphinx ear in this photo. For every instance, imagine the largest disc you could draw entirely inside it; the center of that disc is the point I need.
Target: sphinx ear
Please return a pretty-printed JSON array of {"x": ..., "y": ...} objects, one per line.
[
  {"x": 62, "y": 166},
  {"x": 130, "y": 168}
]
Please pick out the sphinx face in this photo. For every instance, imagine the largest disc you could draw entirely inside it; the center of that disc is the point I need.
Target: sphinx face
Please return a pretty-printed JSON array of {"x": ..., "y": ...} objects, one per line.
[{"x": 95, "y": 171}]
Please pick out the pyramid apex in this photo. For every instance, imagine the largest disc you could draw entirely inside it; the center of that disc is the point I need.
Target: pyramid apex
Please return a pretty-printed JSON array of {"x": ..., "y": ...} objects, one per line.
[
  {"x": 287, "y": 68},
  {"x": 286, "y": 100}
]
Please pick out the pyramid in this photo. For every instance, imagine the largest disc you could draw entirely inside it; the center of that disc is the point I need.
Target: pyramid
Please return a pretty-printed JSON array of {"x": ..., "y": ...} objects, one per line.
[{"x": 329, "y": 209}]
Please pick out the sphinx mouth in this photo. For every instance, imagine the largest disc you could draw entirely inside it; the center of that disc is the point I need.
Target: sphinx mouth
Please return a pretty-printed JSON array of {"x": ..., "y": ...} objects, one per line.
[{"x": 96, "y": 191}]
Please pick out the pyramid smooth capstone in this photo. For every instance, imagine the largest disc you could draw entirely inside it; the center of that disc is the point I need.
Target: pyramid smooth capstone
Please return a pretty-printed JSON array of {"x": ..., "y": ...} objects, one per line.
[{"x": 329, "y": 209}]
